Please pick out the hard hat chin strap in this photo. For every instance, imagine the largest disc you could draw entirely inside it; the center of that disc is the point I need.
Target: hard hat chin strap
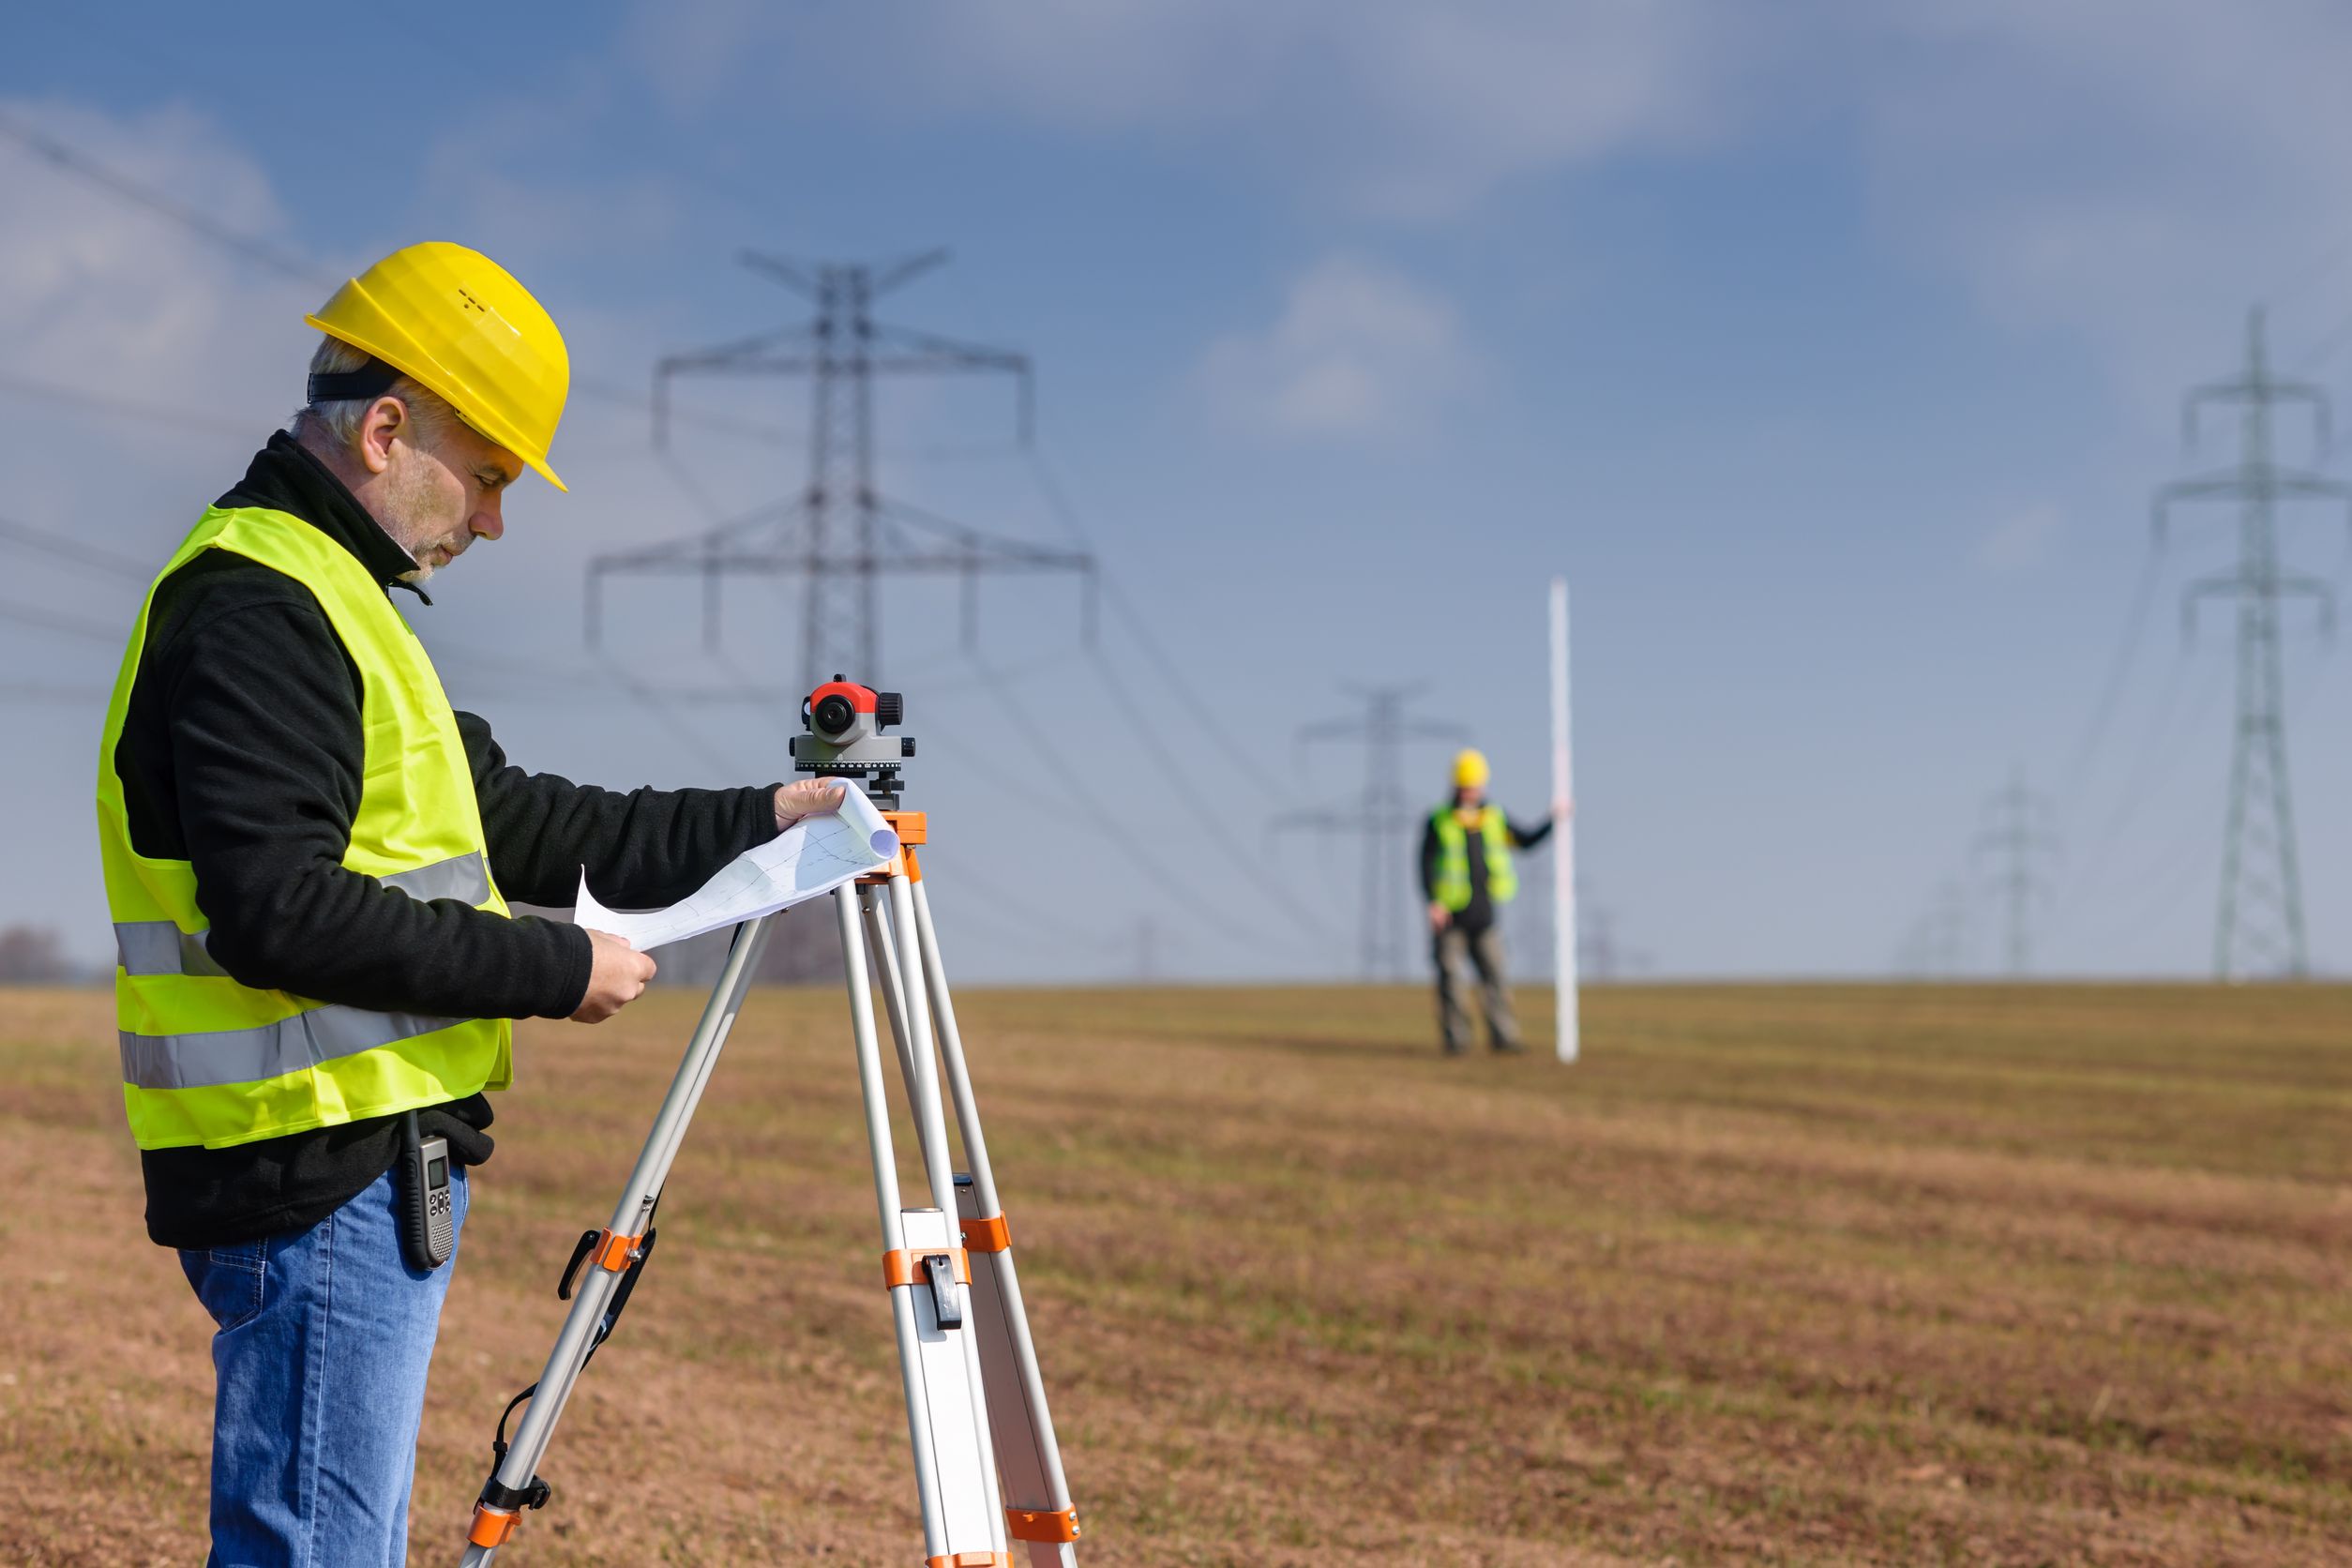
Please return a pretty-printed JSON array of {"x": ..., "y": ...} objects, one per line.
[{"x": 371, "y": 380}]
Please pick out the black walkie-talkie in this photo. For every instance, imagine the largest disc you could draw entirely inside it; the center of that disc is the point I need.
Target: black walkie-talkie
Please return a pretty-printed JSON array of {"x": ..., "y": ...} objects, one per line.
[{"x": 428, "y": 1218}]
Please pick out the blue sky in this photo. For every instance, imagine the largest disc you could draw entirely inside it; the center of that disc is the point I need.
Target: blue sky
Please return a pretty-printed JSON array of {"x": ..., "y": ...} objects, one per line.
[{"x": 1831, "y": 349}]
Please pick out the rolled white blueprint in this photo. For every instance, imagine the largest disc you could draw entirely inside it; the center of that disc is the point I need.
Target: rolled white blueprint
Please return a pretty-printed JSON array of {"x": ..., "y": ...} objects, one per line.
[{"x": 813, "y": 856}]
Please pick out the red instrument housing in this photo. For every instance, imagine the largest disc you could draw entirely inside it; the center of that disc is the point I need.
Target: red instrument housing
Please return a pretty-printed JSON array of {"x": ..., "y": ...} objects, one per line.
[{"x": 861, "y": 698}]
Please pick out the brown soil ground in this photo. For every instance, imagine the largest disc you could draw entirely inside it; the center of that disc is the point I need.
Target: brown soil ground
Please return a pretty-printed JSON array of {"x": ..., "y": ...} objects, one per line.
[{"x": 1902, "y": 1276}]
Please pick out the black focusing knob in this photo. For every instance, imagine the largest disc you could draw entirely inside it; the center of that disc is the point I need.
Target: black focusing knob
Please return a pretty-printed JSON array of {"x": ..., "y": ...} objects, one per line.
[
  {"x": 906, "y": 746},
  {"x": 889, "y": 707}
]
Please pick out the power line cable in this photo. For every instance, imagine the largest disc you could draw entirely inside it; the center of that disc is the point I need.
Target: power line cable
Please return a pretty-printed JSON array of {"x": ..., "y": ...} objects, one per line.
[
  {"x": 2324, "y": 348},
  {"x": 2309, "y": 275},
  {"x": 998, "y": 897},
  {"x": 286, "y": 264},
  {"x": 1001, "y": 687},
  {"x": 662, "y": 706},
  {"x": 2155, "y": 759},
  {"x": 74, "y": 551},
  {"x": 2118, "y": 672},
  {"x": 2174, "y": 865},
  {"x": 975, "y": 762},
  {"x": 1058, "y": 500},
  {"x": 102, "y": 403},
  {"x": 667, "y": 715},
  {"x": 34, "y": 691},
  {"x": 71, "y": 626},
  {"x": 1038, "y": 738},
  {"x": 259, "y": 252},
  {"x": 1219, "y": 831}
]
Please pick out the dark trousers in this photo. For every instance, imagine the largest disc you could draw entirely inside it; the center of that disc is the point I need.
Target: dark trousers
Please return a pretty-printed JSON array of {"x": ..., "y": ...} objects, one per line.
[{"x": 1483, "y": 950}]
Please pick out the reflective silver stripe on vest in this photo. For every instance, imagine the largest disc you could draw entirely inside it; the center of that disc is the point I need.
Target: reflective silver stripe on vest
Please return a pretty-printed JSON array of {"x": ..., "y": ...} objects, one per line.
[
  {"x": 249, "y": 1055},
  {"x": 161, "y": 947},
  {"x": 464, "y": 877}
]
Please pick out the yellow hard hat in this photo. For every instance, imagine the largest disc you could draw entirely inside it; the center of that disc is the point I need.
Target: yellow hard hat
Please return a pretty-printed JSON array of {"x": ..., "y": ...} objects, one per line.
[
  {"x": 457, "y": 323},
  {"x": 1471, "y": 771}
]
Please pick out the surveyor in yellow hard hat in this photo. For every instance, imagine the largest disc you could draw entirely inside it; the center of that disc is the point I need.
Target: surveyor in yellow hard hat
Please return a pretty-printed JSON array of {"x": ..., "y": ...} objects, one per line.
[
  {"x": 307, "y": 856},
  {"x": 1466, "y": 876}
]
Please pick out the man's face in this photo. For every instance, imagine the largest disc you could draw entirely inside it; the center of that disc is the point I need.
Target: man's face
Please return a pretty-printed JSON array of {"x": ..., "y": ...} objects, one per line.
[
  {"x": 444, "y": 490},
  {"x": 1470, "y": 796}
]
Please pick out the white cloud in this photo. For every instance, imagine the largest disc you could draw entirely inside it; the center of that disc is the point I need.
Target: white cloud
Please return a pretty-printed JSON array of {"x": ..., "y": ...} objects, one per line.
[
  {"x": 97, "y": 292},
  {"x": 2127, "y": 172},
  {"x": 2132, "y": 172},
  {"x": 2022, "y": 539},
  {"x": 1393, "y": 107},
  {"x": 1358, "y": 351},
  {"x": 506, "y": 179}
]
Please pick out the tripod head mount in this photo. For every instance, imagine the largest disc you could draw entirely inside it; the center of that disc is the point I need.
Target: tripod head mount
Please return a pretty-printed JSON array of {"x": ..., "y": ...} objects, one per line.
[{"x": 845, "y": 723}]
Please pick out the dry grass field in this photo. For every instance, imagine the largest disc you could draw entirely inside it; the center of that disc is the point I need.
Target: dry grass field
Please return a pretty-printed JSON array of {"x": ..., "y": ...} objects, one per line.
[{"x": 1901, "y": 1275}]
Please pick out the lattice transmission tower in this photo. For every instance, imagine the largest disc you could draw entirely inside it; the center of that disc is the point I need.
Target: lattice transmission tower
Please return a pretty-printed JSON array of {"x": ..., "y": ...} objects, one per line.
[
  {"x": 1938, "y": 942},
  {"x": 2259, "y": 927},
  {"x": 840, "y": 535},
  {"x": 2018, "y": 837},
  {"x": 1383, "y": 815}
]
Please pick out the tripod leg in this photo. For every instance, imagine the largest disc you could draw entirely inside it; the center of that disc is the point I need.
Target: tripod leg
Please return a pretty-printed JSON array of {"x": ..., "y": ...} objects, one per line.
[
  {"x": 885, "y": 956},
  {"x": 924, "y": 1091},
  {"x": 1037, "y": 1496},
  {"x": 946, "y": 1417},
  {"x": 607, "y": 1258},
  {"x": 898, "y": 990}
]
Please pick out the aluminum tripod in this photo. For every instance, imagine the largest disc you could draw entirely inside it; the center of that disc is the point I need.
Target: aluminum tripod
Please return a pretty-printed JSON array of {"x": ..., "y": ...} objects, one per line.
[{"x": 988, "y": 1473}]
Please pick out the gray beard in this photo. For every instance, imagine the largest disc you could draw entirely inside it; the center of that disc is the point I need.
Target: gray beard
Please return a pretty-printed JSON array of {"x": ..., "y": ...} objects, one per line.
[{"x": 421, "y": 572}]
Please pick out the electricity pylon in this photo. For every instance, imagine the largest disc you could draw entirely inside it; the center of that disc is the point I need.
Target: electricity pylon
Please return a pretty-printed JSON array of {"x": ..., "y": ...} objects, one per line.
[
  {"x": 2259, "y": 927},
  {"x": 1939, "y": 940},
  {"x": 841, "y": 534},
  {"x": 1383, "y": 816},
  {"x": 2017, "y": 835},
  {"x": 1149, "y": 937},
  {"x": 1599, "y": 959}
]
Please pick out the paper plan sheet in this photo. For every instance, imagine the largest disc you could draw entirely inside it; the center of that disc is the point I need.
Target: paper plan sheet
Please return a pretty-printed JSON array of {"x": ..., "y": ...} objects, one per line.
[{"x": 814, "y": 855}]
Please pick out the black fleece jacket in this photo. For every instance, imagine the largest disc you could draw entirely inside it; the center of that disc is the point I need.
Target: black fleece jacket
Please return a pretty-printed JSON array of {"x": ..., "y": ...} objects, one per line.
[{"x": 242, "y": 752}]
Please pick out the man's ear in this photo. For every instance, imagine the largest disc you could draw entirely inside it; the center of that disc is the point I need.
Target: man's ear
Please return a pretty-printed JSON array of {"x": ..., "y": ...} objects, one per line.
[{"x": 386, "y": 421}]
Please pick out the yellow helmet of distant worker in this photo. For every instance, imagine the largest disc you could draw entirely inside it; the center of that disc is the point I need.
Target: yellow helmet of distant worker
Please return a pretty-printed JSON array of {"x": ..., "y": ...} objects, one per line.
[
  {"x": 1471, "y": 771},
  {"x": 459, "y": 325}
]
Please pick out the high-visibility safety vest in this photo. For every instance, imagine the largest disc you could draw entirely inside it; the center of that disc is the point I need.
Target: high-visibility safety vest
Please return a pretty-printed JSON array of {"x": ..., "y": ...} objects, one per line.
[
  {"x": 1452, "y": 884},
  {"x": 207, "y": 1060}
]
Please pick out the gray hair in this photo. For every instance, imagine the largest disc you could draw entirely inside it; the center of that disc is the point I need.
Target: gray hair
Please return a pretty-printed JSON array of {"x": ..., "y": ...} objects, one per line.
[{"x": 339, "y": 422}]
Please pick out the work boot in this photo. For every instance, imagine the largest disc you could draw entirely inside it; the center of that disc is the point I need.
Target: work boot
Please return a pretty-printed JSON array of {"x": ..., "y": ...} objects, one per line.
[{"x": 1510, "y": 1047}]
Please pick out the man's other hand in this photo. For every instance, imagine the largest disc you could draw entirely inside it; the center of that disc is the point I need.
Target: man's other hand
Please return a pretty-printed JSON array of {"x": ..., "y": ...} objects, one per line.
[
  {"x": 810, "y": 797},
  {"x": 1440, "y": 917},
  {"x": 619, "y": 977}
]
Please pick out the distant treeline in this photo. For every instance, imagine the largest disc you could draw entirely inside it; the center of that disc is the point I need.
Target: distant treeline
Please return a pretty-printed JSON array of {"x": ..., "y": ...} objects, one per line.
[{"x": 33, "y": 956}]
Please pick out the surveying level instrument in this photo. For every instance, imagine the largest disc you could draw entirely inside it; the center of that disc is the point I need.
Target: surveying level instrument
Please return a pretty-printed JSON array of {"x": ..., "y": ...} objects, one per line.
[
  {"x": 988, "y": 1473},
  {"x": 845, "y": 740}
]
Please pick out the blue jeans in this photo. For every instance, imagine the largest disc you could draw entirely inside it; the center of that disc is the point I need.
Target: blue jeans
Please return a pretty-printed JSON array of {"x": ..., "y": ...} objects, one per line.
[{"x": 325, "y": 1338}]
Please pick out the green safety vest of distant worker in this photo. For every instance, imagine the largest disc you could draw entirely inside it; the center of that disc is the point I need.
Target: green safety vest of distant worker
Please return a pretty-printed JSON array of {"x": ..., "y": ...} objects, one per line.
[
  {"x": 1450, "y": 885},
  {"x": 208, "y": 1061}
]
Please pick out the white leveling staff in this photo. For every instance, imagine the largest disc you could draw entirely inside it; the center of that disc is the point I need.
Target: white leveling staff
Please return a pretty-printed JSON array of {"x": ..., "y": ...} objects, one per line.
[{"x": 1563, "y": 812}]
